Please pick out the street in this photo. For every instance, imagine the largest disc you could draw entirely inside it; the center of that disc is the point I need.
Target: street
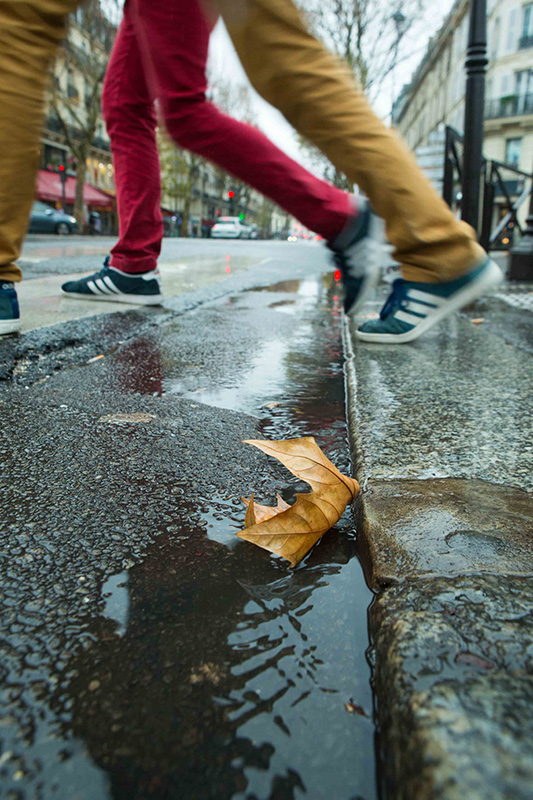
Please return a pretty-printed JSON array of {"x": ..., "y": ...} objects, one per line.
[
  {"x": 147, "y": 651},
  {"x": 185, "y": 264}
]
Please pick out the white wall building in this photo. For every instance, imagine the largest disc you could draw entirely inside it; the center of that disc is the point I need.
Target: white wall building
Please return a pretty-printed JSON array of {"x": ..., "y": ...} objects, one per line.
[{"x": 436, "y": 95}]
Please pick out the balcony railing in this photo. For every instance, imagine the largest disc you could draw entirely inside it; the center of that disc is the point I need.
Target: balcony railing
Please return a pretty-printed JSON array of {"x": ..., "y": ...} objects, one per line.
[
  {"x": 525, "y": 42},
  {"x": 511, "y": 106}
]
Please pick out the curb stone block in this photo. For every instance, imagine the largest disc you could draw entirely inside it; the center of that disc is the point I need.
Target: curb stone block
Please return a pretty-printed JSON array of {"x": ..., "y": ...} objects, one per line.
[
  {"x": 417, "y": 529},
  {"x": 454, "y": 680}
]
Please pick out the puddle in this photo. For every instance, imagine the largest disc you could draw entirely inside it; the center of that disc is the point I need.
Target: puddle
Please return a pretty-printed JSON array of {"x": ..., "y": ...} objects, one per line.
[
  {"x": 225, "y": 680},
  {"x": 258, "y": 667},
  {"x": 117, "y": 600},
  {"x": 208, "y": 668}
]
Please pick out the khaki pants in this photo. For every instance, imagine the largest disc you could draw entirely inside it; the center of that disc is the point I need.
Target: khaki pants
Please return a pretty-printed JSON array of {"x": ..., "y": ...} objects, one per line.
[
  {"x": 319, "y": 97},
  {"x": 30, "y": 32}
]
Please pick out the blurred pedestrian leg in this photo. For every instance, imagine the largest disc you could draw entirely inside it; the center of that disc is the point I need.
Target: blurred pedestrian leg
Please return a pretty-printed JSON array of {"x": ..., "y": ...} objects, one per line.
[
  {"x": 319, "y": 97},
  {"x": 161, "y": 51},
  {"x": 30, "y": 32}
]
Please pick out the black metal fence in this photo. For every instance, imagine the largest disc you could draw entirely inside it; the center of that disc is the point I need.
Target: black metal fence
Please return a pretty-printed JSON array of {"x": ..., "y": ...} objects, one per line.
[{"x": 505, "y": 189}]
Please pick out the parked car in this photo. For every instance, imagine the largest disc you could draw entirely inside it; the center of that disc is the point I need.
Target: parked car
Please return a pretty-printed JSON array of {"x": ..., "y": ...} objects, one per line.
[
  {"x": 44, "y": 219},
  {"x": 230, "y": 228}
]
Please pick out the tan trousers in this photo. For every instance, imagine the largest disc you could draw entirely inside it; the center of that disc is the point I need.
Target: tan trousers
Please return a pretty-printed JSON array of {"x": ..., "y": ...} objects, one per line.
[
  {"x": 30, "y": 32},
  {"x": 319, "y": 97}
]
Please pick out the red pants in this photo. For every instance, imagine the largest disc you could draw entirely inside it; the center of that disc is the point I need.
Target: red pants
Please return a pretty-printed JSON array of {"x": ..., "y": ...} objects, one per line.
[{"x": 161, "y": 52}]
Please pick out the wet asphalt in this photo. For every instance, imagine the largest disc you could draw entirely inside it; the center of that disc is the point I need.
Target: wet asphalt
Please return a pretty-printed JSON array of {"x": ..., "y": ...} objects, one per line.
[{"x": 146, "y": 651}]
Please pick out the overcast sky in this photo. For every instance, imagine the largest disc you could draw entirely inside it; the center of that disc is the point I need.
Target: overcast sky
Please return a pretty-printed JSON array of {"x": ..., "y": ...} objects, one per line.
[{"x": 224, "y": 61}]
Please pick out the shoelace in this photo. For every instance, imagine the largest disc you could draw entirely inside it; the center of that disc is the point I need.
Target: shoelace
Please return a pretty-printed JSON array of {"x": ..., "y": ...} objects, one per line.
[
  {"x": 103, "y": 272},
  {"x": 396, "y": 299}
]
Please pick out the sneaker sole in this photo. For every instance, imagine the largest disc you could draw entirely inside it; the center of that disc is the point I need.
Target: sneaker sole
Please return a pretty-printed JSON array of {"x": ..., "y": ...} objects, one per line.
[
  {"x": 137, "y": 299},
  {"x": 10, "y": 326},
  {"x": 373, "y": 258},
  {"x": 490, "y": 278}
]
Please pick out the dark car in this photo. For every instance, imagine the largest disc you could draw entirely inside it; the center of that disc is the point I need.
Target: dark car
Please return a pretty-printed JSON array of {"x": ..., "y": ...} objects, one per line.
[{"x": 44, "y": 219}]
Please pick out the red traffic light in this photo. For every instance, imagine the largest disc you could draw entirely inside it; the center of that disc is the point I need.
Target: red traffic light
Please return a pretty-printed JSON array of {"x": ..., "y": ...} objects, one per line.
[
  {"x": 61, "y": 168},
  {"x": 231, "y": 195}
]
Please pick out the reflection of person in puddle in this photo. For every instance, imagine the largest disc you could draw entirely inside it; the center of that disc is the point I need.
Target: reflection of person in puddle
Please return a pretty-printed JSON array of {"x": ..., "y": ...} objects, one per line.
[{"x": 161, "y": 707}]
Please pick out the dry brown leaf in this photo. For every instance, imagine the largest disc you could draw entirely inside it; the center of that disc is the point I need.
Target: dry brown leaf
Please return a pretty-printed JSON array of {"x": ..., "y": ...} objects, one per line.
[
  {"x": 257, "y": 513},
  {"x": 351, "y": 708},
  {"x": 291, "y": 531}
]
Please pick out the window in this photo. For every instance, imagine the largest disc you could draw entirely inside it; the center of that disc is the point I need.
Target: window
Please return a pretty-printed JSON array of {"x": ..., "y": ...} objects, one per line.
[
  {"x": 523, "y": 86},
  {"x": 513, "y": 148},
  {"x": 494, "y": 38},
  {"x": 72, "y": 91},
  {"x": 526, "y": 38},
  {"x": 512, "y": 32}
]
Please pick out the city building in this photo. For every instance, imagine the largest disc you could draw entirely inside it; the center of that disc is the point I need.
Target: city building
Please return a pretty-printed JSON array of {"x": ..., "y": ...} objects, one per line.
[
  {"x": 72, "y": 100},
  {"x": 74, "y": 131},
  {"x": 435, "y": 97},
  {"x": 202, "y": 192}
]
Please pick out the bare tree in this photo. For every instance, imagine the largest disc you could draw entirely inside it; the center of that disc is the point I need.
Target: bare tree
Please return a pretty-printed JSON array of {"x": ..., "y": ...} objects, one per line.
[
  {"x": 372, "y": 37},
  {"x": 76, "y": 91},
  {"x": 235, "y": 100},
  {"x": 180, "y": 170}
]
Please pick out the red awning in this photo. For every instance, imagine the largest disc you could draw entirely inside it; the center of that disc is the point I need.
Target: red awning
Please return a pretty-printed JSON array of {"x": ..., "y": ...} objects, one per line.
[{"x": 49, "y": 189}]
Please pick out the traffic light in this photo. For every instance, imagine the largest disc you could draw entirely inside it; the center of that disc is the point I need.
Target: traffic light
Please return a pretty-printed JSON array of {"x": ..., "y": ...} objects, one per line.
[
  {"x": 231, "y": 194},
  {"x": 62, "y": 173},
  {"x": 231, "y": 198}
]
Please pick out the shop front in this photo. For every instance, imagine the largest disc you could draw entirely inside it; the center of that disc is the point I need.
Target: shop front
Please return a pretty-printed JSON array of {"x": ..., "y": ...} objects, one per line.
[{"x": 99, "y": 207}]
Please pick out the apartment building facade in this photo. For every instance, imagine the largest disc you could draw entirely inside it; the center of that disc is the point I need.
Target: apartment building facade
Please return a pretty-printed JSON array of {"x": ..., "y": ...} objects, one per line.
[
  {"x": 436, "y": 95},
  {"x": 77, "y": 71}
]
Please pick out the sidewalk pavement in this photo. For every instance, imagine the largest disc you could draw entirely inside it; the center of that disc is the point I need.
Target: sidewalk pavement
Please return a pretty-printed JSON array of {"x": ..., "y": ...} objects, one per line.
[{"x": 443, "y": 447}]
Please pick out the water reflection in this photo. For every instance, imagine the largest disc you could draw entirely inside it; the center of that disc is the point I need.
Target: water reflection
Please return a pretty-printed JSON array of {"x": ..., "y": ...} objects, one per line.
[
  {"x": 231, "y": 676},
  {"x": 217, "y": 672}
]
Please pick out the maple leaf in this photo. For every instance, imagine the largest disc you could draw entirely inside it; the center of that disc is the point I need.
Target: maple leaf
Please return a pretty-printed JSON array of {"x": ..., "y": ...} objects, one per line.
[{"x": 291, "y": 531}]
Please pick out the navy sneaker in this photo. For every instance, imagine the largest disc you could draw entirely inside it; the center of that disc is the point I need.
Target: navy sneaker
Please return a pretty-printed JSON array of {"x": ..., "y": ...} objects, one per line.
[
  {"x": 357, "y": 253},
  {"x": 114, "y": 286},
  {"x": 9, "y": 308},
  {"x": 413, "y": 308}
]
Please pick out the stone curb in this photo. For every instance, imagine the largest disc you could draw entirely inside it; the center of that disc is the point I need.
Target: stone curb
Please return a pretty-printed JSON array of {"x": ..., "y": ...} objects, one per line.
[{"x": 451, "y": 626}]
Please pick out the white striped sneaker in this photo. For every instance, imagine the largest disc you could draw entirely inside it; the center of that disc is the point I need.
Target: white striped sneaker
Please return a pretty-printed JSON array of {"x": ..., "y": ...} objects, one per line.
[
  {"x": 358, "y": 253},
  {"x": 114, "y": 286},
  {"x": 413, "y": 308}
]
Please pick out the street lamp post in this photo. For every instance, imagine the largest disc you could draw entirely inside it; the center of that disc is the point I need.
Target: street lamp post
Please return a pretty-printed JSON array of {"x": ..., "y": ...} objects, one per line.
[
  {"x": 476, "y": 66},
  {"x": 521, "y": 261},
  {"x": 399, "y": 23}
]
